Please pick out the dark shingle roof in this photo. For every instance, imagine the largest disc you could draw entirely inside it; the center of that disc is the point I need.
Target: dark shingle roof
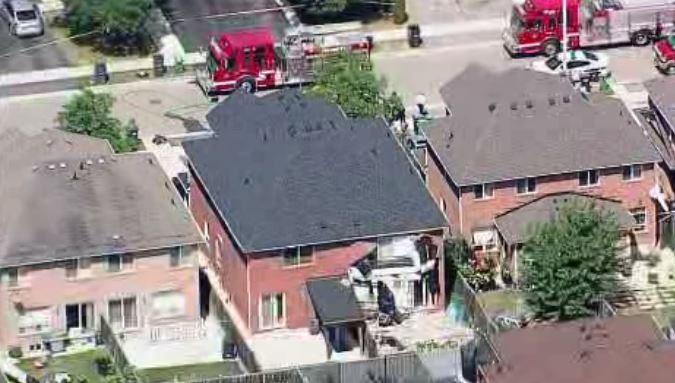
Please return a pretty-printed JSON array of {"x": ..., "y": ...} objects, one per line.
[
  {"x": 552, "y": 130},
  {"x": 516, "y": 225},
  {"x": 67, "y": 196},
  {"x": 622, "y": 349},
  {"x": 333, "y": 300},
  {"x": 286, "y": 170},
  {"x": 662, "y": 94}
]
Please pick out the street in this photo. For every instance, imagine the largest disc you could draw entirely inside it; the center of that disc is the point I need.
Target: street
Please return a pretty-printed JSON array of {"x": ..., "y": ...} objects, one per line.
[{"x": 45, "y": 57}]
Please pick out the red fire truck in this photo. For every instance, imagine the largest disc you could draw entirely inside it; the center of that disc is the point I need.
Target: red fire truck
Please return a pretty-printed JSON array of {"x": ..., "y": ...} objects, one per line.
[
  {"x": 664, "y": 55},
  {"x": 535, "y": 26},
  {"x": 251, "y": 60}
]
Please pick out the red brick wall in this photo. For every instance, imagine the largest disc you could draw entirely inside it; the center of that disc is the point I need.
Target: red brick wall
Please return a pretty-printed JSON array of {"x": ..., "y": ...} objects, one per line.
[
  {"x": 481, "y": 213},
  {"x": 270, "y": 276},
  {"x": 231, "y": 264},
  {"x": 442, "y": 187}
]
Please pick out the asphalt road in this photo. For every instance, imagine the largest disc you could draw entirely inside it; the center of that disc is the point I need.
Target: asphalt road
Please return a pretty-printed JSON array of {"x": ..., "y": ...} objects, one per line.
[
  {"x": 186, "y": 18},
  {"x": 47, "y": 57}
]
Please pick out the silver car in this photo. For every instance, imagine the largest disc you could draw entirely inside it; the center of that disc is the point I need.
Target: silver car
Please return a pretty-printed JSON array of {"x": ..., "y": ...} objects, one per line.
[{"x": 23, "y": 17}]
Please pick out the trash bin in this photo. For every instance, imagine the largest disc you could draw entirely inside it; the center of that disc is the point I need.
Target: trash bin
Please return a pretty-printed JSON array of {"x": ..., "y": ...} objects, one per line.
[
  {"x": 414, "y": 35},
  {"x": 158, "y": 67},
  {"x": 101, "y": 75}
]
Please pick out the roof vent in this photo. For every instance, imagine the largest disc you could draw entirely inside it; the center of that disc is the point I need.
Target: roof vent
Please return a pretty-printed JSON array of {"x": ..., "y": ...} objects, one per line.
[
  {"x": 62, "y": 165},
  {"x": 551, "y": 101},
  {"x": 492, "y": 107},
  {"x": 35, "y": 168},
  {"x": 50, "y": 142},
  {"x": 528, "y": 104},
  {"x": 117, "y": 237},
  {"x": 75, "y": 177},
  {"x": 90, "y": 162},
  {"x": 81, "y": 165},
  {"x": 265, "y": 137},
  {"x": 101, "y": 160},
  {"x": 150, "y": 161},
  {"x": 247, "y": 181},
  {"x": 51, "y": 166},
  {"x": 566, "y": 99},
  {"x": 514, "y": 106}
]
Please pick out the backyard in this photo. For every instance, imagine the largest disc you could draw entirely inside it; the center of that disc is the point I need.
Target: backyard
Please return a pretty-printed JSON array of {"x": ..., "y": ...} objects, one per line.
[
  {"x": 82, "y": 366},
  {"x": 189, "y": 372}
]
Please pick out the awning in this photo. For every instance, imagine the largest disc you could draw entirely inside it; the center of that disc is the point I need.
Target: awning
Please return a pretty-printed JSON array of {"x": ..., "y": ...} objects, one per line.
[
  {"x": 334, "y": 300},
  {"x": 517, "y": 225}
]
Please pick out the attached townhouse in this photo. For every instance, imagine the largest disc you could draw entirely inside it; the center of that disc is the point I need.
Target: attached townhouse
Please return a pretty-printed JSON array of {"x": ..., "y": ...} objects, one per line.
[
  {"x": 86, "y": 234},
  {"x": 289, "y": 192},
  {"x": 519, "y": 138}
]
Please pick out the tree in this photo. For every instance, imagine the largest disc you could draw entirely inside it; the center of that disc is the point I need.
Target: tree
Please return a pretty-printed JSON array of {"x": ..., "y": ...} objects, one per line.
[
  {"x": 121, "y": 23},
  {"x": 571, "y": 263},
  {"x": 349, "y": 81},
  {"x": 90, "y": 113},
  {"x": 323, "y": 7}
]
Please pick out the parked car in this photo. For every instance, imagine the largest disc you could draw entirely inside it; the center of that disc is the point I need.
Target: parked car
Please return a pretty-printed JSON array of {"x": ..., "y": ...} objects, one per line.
[
  {"x": 581, "y": 65},
  {"x": 23, "y": 17},
  {"x": 664, "y": 55}
]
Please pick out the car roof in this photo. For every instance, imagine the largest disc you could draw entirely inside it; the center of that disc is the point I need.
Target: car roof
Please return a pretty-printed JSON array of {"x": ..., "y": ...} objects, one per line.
[{"x": 21, "y": 5}]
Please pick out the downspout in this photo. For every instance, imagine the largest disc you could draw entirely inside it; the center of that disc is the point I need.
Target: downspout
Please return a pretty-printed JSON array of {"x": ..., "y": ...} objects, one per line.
[
  {"x": 461, "y": 212},
  {"x": 248, "y": 292}
]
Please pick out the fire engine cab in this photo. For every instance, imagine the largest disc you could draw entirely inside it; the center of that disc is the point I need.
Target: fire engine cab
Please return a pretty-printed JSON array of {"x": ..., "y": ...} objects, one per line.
[
  {"x": 664, "y": 55},
  {"x": 535, "y": 26},
  {"x": 251, "y": 60}
]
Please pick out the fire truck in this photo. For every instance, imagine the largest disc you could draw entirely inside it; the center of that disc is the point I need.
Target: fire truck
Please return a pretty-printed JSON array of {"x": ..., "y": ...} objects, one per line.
[
  {"x": 664, "y": 55},
  {"x": 535, "y": 26},
  {"x": 251, "y": 60}
]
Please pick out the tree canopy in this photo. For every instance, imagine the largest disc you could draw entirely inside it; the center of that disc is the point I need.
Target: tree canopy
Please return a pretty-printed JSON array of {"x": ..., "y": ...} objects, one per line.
[
  {"x": 351, "y": 83},
  {"x": 90, "y": 113},
  {"x": 121, "y": 23},
  {"x": 323, "y": 7},
  {"x": 571, "y": 263}
]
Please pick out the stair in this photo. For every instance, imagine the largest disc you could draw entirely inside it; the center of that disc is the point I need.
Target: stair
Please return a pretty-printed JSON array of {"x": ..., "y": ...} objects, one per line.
[{"x": 644, "y": 299}]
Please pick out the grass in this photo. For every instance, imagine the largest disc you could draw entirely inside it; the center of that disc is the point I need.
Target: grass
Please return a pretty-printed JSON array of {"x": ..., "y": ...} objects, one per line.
[
  {"x": 77, "y": 365},
  {"x": 507, "y": 301},
  {"x": 189, "y": 372}
]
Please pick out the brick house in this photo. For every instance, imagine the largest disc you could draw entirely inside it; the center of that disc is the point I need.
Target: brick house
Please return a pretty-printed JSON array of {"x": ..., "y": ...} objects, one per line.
[
  {"x": 514, "y": 137},
  {"x": 290, "y": 190},
  {"x": 86, "y": 233}
]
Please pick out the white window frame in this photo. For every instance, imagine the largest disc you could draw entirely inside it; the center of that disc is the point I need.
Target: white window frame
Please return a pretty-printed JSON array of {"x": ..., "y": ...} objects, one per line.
[
  {"x": 154, "y": 313},
  {"x": 279, "y": 324},
  {"x": 641, "y": 210},
  {"x": 632, "y": 170},
  {"x": 124, "y": 259},
  {"x": 13, "y": 282},
  {"x": 82, "y": 268},
  {"x": 205, "y": 232},
  {"x": 586, "y": 175},
  {"x": 483, "y": 190},
  {"x": 442, "y": 205},
  {"x": 33, "y": 330},
  {"x": 80, "y": 307},
  {"x": 524, "y": 184},
  {"x": 123, "y": 325},
  {"x": 179, "y": 252},
  {"x": 297, "y": 257}
]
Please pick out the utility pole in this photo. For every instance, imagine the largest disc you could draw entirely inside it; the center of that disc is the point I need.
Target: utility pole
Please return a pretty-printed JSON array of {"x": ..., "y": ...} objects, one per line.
[{"x": 564, "y": 36}]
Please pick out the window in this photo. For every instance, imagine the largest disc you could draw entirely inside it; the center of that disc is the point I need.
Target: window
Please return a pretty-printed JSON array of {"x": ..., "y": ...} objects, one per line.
[
  {"x": 483, "y": 191},
  {"x": 632, "y": 172},
  {"x": 78, "y": 268},
  {"x": 552, "y": 23},
  {"x": 526, "y": 185},
  {"x": 553, "y": 63},
  {"x": 640, "y": 216},
  {"x": 441, "y": 204},
  {"x": 176, "y": 257},
  {"x": 34, "y": 321},
  {"x": 122, "y": 313},
  {"x": 272, "y": 311},
  {"x": 294, "y": 256},
  {"x": 577, "y": 64},
  {"x": 588, "y": 178},
  {"x": 205, "y": 232},
  {"x": 80, "y": 315},
  {"x": 119, "y": 262},
  {"x": 12, "y": 277},
  {"x": 168, "y": 304},
  {"x": 260, "y": 57},
  {"x": 591, "y": 56},
  {"x": 534, "y": 25}
]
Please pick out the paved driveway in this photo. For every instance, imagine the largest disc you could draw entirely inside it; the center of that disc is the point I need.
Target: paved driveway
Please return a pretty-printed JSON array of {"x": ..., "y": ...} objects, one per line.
[
  {"x": 186, "y": 17},
  {"x": 47, "y": 57}
]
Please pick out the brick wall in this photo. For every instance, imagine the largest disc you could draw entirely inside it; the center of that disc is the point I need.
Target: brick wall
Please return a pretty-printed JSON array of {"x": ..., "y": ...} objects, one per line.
[{"x": 443, "y": 191}]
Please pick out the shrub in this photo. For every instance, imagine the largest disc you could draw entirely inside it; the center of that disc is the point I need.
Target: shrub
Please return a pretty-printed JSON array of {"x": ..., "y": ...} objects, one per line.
[
  {"x": 104, "y": 363},
  {"x": 400, "y": 15},
  {"x": 15, "y": 352}
]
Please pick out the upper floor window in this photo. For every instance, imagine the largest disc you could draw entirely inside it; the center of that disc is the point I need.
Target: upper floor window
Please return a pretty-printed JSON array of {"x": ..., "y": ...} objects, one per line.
[
  {"x": 177, "y": 256},
  {"x": 640, "y": 216},
  {"x": 78, "y": 268},
  {"x": 441, "y": 204},
  {"x": 294, "y": 256},
  {"x": 119, "y": 262},
  {"x": 632, "y": 172},
  {"x": 483, "y": 191},
  {"x": 526, "y": 185},
  {"x": 12, "y": 276},
  {"x": 589, "y": 178},
  {"x": 207, "y": 235}
]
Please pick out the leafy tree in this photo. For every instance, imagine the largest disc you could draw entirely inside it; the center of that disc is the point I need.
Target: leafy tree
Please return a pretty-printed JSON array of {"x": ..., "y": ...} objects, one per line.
[
  {"x": 323, "y": 7},
  {"x": 121, "y": 23},
  {"x": 90, "y": 113},
  {"x": 349, "y": 81},
  {"x": 571, "y": 263}
]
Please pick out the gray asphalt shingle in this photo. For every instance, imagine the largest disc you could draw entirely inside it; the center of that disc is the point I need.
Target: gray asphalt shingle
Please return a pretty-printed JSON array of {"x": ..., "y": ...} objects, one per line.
[
  {"x": 333, "y": 300},
  {"x": 521, "y": 123},
  {"x": 286, "y": 170},
  {"x": 662, "y": 95}
]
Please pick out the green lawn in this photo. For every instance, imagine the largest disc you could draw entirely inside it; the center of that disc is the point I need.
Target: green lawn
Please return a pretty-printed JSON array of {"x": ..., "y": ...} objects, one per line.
[
  {"x": 189, "y": 372},
  {"x": 77, "y": 365},
  {"x": 509, "y": 302}
]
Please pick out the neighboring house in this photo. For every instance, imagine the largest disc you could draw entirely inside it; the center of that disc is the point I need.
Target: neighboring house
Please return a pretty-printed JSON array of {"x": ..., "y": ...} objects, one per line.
[
  {"x": 86, "y": 233},
  {"x": 622, "y": 349},
  {"x": 517, "y": 136},
  {"x": 289, "y": 191}
]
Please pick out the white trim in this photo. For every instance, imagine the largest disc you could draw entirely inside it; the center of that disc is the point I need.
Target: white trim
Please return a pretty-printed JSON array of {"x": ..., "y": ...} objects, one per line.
[{"x": 282, "y": 322}]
